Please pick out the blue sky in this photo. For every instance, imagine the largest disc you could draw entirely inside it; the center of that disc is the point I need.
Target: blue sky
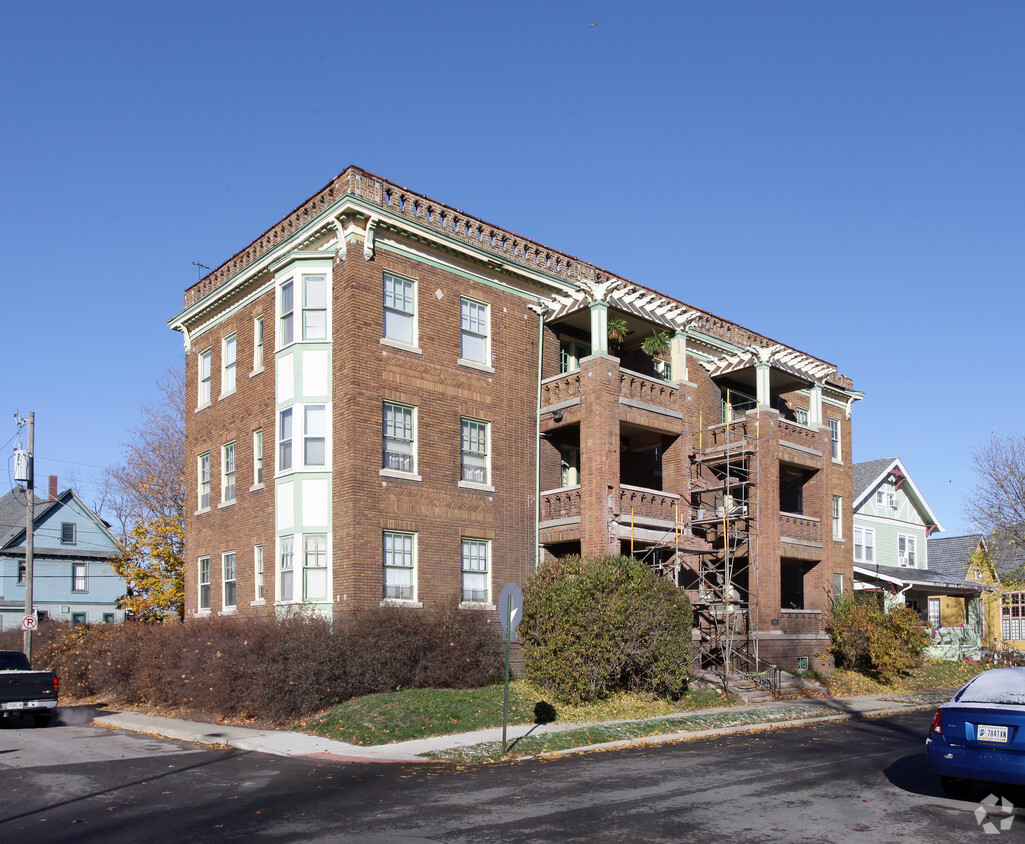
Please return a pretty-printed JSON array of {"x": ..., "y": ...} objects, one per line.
[{"x": 844, "y": 177}]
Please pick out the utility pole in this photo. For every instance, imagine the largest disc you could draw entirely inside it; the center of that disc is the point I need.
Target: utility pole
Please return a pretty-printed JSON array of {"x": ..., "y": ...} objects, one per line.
[{"x": 30, "y": 506}]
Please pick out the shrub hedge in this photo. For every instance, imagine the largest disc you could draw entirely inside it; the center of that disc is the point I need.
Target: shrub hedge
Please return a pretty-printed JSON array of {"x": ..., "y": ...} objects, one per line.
[
  {"x": 865, "y": 637},
  {"x": 592, "y": 627},
  {"x": 274, "y": 669}
]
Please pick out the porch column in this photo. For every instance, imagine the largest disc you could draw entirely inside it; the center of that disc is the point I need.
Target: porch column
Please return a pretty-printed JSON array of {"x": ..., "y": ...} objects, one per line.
[
  {"x": 762, "y": 390},
  {"x": 815, "y": 406},
  {"x": 600, "y": 328},
  {"x": 678, "y": 356}
]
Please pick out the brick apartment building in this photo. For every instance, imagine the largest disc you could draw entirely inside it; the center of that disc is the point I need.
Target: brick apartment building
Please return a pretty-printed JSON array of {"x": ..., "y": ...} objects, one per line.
[{"x": 393, "y": 402}]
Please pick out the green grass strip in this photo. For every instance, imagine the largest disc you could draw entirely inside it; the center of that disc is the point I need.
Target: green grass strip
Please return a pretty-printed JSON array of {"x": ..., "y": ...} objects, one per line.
[{"x": 601, "y": 733}]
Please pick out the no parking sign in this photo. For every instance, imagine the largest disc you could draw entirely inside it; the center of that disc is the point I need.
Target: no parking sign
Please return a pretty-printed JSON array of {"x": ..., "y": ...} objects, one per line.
[{"x": 29, "y": 622}]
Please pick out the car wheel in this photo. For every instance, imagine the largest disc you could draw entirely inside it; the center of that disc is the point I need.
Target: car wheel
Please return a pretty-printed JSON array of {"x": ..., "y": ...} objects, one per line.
[
  {"x": 956, "y": 787},
  {"x": 41, "y": 720}
]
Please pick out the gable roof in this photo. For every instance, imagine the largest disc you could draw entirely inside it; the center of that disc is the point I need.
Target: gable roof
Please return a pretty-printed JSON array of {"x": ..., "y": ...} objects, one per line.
[
  {"x": 12, "y": 520},
  {"x": 871, "y": 473},
  {"x": 951, "y": 555},
  {"x": 12, "y": 514}
]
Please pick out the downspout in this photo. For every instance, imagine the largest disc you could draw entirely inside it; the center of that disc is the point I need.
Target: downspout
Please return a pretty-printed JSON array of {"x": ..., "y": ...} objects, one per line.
[{"x": 540, "y": 309}]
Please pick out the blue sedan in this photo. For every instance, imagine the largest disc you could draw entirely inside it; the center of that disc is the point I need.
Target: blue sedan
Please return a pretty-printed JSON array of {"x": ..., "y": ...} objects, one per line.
[{"x": 979, "y": 736}]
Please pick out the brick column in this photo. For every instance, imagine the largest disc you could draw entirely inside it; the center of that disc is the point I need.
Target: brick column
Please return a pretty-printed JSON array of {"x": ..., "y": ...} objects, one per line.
[
  {"x": 765, "y": 572},
  {"x": 599, "y": 452}
]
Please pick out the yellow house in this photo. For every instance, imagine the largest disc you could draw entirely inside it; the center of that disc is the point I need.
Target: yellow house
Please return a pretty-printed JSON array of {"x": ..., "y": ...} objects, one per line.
[{"x": 1002, "y": 611}]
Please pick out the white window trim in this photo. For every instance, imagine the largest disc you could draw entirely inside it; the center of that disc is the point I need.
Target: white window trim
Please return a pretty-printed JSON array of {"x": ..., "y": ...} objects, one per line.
[
  {"x": 200, "y": 583},
  {"x": 279, "y": 569},
  {"x": 414, "y": 342},
  {"x": 298, "y": 439},
  {"x": 387, "y": 471},
  {"x": 207, "y": 355},
  {"x": 279, "y": 469},
  {"x": 838, "y": 458},
  {"x": 326, "y": 567},
  {"x": 199, "y": 483},
  {"x": 259, "y": 347},
  {"x": 415, "y": 599},
  {"x": 326, "y": 274},
  {"x": 838, "y": 520},
  {"x": 486, "y": 485},
  {"x": 913, "y": 540},
  {"x": 85, "y": 577},
  {"x": 258, "y": 461},
  {"x": 865, "y": 531},
  {"x": 470, "y": 362},
  {"x": 231, "y": 339},
  {"x": 225, "y": 606},
  {"x": 489, "y": 601},
  {"x": 227, "y": 502},
  {"x": 279, "y": 324},
  {"x": 259, "y": 577}
]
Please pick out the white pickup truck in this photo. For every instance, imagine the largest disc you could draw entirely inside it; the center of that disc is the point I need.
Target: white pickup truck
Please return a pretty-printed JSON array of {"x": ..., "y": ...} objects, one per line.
[{"x": 23, "y": 690}]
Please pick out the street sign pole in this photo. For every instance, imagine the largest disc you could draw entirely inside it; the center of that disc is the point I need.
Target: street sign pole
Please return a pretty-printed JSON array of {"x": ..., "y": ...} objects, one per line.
[{"x": 508, "y": 644}]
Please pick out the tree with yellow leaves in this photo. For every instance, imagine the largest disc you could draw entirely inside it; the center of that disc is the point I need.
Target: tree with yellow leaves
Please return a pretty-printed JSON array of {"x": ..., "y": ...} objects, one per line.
[{"x": 148, "y": 499}]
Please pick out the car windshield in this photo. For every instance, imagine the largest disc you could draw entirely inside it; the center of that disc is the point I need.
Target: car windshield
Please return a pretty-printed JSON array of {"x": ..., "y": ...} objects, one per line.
[{"x": 1001, "y": 685}]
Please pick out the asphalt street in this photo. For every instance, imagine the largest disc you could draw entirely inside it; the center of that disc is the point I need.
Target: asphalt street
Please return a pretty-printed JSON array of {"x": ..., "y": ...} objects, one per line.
[{"x": 851, "y": 781}]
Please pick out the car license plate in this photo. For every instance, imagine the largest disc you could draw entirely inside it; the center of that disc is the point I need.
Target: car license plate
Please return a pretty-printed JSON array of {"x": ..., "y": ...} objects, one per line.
[
  {"x": 985, "y": 732},
  {"x": 17, "y": 704}
]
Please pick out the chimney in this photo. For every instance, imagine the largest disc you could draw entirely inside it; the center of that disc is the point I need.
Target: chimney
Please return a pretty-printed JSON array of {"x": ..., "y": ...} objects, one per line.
[{"x": 53, "y": 487}]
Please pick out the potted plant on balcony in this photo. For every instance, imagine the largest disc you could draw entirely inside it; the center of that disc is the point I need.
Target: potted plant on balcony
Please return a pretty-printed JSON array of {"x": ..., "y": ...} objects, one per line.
[
  {"x": 617, "y": 332},
  {"x": 656, "y": 344}
]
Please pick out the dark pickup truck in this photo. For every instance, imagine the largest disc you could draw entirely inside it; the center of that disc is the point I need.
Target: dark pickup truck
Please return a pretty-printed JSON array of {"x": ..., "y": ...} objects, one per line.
[{"x": 23, "y": 690}]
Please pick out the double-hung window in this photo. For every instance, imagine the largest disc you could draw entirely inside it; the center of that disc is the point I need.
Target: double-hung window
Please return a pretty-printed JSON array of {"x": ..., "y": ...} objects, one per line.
[
  {"x": 864, "y": 545},
  {"x": 314, "y": 307},
  {"x": 801, "y": 415},
  {"x": 475, "y": 555},
  {"x": 399, "y": 437},
  {"x": 287, "y": 310},
  {"x": 399, "y": 566},
  {"x": 204, "y": 378},
  {"x": 834, "y": 438},
  {"x": 314, "y": 435},
  {"x": 837, "y": 517},
  {"x": 78, "y": 581},
  {"x": 258, "y": 570},
  {"x": 934, "y": 612},
  {"x": 258, "y": 457},
  {"x": 229, "y": 351},
  {"x": 474, "y": 331},
  {"x": 315, "y": 568},
  {"x": 287, "y": 565},
  {"x": 1012, "y": 616},
  {"x": 68, "y": 533},
  {"x": 474, "y": 451},
  {"x": 399, "y": 309},
  {"x": 257, "y": 344},
  {"x": 204, "y": 480},
  {"x": 228, "y": 473},
  {"x": 285, "y": 440},
  {"x": 230, "y": 597},
  {"x": 204, "y": 583},
  {"x": 906, "y": 550}
]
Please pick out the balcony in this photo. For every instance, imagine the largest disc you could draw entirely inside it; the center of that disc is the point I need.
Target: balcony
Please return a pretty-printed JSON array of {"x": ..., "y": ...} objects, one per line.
[
  {"x": 645, "y": 390},
  {"x": 560, "y": 504},
  {"x": 560, "y": 389},
  {"x": 648, "y": 504},
  {"x": 801, "y": 621},
  {"x": 803, "y": 528}
]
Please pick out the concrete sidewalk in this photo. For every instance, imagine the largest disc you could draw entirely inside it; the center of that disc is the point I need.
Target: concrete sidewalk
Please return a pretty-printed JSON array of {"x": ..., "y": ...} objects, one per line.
[{"x": 281, "y": 743}]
